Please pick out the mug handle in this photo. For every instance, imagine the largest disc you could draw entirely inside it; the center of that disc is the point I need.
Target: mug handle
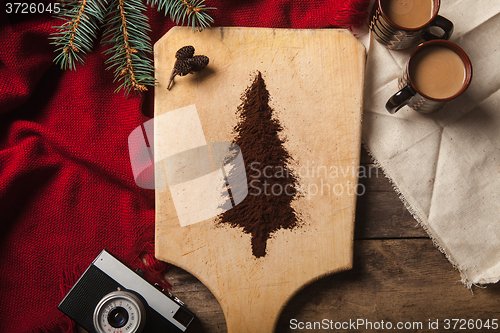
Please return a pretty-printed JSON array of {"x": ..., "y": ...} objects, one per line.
[
  {"x": 442, "y": 23},
  {"x": 399, "y": 99}
]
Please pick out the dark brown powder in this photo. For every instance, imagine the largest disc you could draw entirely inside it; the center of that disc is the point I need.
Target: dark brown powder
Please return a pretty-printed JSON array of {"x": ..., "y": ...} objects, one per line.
[{"x": 272, "y": 186}]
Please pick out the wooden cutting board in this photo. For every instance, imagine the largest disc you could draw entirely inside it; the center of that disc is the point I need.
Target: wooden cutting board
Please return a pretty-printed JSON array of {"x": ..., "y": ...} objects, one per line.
[{"x": 315, "y": 80}]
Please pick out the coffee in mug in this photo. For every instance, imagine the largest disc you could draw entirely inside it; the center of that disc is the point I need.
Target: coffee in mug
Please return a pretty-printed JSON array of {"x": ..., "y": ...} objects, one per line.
[
  {"x": 409, "y": 13},
  {"x": 398, "y": 24},
  {"x": 437, "y": 72}
]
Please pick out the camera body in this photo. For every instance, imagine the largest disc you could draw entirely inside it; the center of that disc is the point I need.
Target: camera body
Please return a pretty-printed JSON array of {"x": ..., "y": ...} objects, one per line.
[{"x": 111, "y": 298}]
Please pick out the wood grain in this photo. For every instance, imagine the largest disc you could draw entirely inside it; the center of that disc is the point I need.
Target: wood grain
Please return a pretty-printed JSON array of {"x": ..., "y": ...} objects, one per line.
[
  {"x": 315, "y": 79},
  {"x": 398, "y": 278}
]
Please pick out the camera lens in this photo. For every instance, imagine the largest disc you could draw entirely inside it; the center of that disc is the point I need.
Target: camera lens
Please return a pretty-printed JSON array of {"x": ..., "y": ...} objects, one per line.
[
  {"x": 120, "y": 309},
  {"x": 118, "y": 317}
]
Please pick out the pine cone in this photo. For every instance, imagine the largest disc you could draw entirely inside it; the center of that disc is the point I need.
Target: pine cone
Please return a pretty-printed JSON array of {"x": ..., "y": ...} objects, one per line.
[
  {"x": 185, "y": 52},
  {"x": 186, "y": 63},
  {"x": 182, "y": 67},
  {"x": 198, "y": 62}
]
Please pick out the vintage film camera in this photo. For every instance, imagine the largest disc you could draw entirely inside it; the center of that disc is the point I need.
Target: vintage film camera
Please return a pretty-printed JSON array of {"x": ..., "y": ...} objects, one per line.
[{"x": 111, "y": 298}]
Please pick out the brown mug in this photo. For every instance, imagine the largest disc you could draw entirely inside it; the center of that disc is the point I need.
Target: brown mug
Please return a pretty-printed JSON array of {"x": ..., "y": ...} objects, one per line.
[
  {"x": 398, "y": 24},
  {"x": 437, "y": 72}
]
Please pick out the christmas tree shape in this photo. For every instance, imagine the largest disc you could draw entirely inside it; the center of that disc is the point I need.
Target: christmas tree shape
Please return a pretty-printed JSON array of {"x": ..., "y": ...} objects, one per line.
[{"x": 272, "y": 186}]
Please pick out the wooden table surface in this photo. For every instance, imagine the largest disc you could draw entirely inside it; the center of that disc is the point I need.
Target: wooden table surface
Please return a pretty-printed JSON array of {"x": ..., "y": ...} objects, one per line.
[{"x": 399, "y": 278}]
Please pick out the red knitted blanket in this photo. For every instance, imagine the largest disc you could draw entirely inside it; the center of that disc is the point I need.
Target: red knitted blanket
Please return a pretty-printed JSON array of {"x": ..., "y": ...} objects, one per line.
[{"x": 66, "y": 186}]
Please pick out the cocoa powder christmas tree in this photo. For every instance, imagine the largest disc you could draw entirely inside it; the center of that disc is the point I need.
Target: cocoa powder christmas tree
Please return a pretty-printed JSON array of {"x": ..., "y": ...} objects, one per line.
[{"x": 272, "y": 186}]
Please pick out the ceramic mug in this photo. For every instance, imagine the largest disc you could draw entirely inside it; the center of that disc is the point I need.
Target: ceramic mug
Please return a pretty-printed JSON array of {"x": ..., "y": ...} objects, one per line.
[
  {"x": 398, "y": 24},
  {"x": 436, "y": 72}
]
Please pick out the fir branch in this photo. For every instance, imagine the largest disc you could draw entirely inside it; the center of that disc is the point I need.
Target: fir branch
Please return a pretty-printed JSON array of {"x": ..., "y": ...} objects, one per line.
[
  {"x": 75, "y": 37},
  {"x": 127, "y": 29},
  {"x": 194, "y": 11}
]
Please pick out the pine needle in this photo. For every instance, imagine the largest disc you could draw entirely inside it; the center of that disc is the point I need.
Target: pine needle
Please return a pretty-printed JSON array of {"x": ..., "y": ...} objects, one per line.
[
  {"x": 192, "y": 11},
  {"x": 76, "y": 36},
  {"x": 131, "y": 46}
]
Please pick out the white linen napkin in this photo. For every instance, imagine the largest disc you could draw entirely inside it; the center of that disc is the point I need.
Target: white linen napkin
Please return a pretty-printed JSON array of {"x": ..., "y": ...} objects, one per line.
[{"x": 446, "y": 165}]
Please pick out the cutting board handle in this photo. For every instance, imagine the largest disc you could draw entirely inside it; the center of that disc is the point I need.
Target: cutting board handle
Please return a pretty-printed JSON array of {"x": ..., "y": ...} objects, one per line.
[{"x": 245, "y": 313}]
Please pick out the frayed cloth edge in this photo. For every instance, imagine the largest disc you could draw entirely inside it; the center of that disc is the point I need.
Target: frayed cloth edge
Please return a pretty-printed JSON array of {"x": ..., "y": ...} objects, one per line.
[{"x": 463, "y": 272}]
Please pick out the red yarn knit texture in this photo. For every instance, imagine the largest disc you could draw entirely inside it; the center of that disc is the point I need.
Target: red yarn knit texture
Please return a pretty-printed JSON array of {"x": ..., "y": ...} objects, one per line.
[{"x": 66, "y": 185}]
